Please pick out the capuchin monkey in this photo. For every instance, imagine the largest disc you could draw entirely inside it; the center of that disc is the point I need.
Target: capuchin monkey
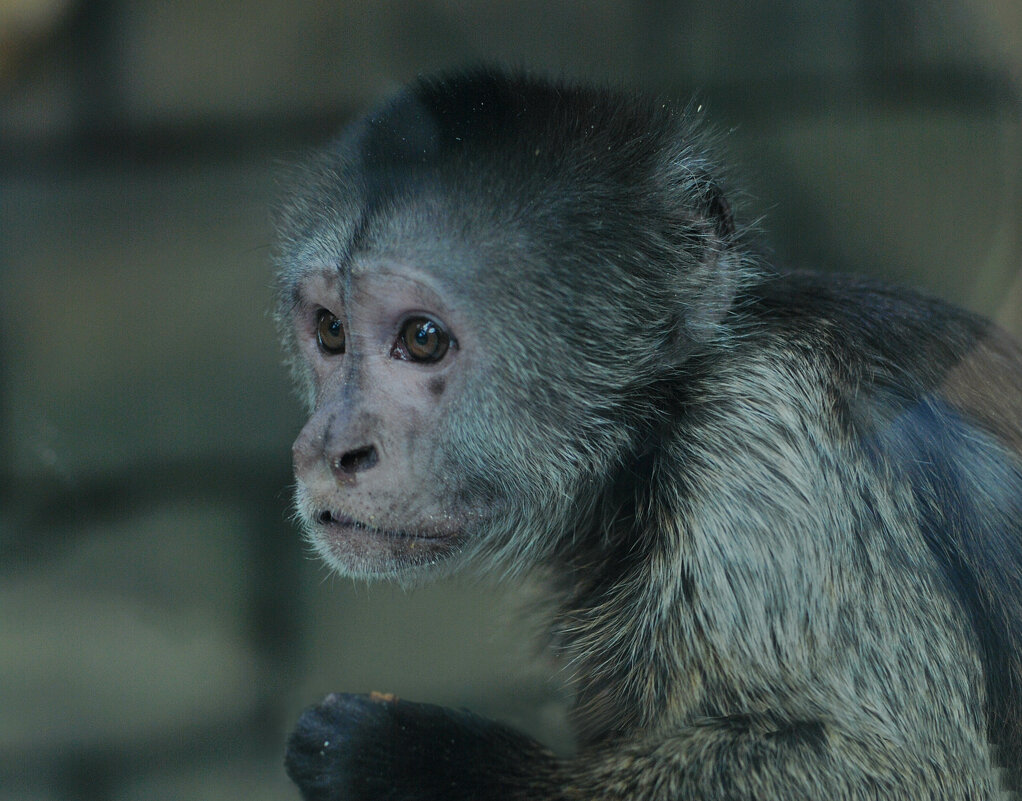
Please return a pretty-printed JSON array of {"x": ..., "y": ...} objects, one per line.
[{"x": 780, "y": 515}]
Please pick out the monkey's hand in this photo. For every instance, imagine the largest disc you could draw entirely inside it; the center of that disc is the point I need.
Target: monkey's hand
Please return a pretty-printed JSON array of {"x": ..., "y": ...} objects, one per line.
[{"x": 362, "y": 747}]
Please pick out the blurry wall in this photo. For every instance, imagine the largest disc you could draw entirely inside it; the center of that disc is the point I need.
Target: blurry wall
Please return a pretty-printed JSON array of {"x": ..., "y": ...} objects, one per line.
[{"x": 161, "y": 624}]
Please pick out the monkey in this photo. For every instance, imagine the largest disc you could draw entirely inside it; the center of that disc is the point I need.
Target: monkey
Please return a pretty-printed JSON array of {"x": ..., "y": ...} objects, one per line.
[{"x": 779, "y": 513}]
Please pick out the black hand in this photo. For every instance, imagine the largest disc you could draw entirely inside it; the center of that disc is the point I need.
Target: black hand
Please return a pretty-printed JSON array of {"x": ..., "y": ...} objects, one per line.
[{"x": 362, "y": 747}]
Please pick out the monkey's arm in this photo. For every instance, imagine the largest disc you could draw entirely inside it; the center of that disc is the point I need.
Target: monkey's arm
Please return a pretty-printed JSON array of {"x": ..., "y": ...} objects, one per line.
[
  {"x": 355, "y": 747},
  {"x": 374, "y": 748}
]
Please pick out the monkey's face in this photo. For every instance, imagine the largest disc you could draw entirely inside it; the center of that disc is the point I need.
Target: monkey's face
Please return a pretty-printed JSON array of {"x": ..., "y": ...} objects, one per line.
[
  {"x": 385, "y": 357},
  {"x": 447, "y": 415}
]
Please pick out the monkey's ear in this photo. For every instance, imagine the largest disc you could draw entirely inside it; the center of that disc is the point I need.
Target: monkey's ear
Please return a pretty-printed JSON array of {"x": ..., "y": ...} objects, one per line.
[
  {"x": 709, "y": 285},
  {"x": 718, "y": 212}
]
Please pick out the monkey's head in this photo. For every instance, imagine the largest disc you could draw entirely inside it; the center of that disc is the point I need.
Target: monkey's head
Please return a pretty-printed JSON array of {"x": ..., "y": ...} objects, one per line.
[{"x": 481, "y": 284}]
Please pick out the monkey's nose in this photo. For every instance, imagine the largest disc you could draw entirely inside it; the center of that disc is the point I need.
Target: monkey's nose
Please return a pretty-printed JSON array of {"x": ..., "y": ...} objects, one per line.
[{"x": 354, "y": 461}]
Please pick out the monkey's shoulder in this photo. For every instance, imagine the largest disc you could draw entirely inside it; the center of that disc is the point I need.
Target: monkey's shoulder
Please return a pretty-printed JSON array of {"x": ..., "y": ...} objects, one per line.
[{"x": 909, "y": 379}]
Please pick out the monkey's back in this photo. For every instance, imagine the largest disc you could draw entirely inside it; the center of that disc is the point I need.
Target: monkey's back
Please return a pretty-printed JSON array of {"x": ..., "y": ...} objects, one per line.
[{"x": 932, "y": 396}]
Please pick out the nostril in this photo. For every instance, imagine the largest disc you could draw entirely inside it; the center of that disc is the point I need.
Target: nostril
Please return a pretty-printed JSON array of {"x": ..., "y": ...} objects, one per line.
[{"x": 355, "y": 461}]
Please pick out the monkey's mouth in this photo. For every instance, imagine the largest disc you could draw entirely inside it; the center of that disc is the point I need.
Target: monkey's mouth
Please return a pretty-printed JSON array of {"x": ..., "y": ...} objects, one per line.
[
  {"x": 359, "y": 549},
  {"x": 343, "y": 523}
]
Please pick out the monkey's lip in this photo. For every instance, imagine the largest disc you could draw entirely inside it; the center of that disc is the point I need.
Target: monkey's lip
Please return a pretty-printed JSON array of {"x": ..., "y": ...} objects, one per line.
[{"x": 335, "y": 520}]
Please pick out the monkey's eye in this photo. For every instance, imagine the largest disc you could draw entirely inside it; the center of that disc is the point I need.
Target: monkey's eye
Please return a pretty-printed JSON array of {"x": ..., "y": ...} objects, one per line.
[
  {"x": 422, "y": 340},
  {"x": 329, "y": 333}
]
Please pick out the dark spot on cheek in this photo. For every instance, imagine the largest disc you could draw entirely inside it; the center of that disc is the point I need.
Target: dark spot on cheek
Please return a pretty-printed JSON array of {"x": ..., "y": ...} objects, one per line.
[{"x": 436, "y": 386}]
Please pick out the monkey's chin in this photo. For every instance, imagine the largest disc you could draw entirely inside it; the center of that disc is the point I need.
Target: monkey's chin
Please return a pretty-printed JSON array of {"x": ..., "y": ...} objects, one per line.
[{"x": 357, "y": 549}]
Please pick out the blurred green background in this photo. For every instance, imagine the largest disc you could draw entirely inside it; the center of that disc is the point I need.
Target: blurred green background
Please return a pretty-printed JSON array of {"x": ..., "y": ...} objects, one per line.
[{"x": 161, "y": 624}]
